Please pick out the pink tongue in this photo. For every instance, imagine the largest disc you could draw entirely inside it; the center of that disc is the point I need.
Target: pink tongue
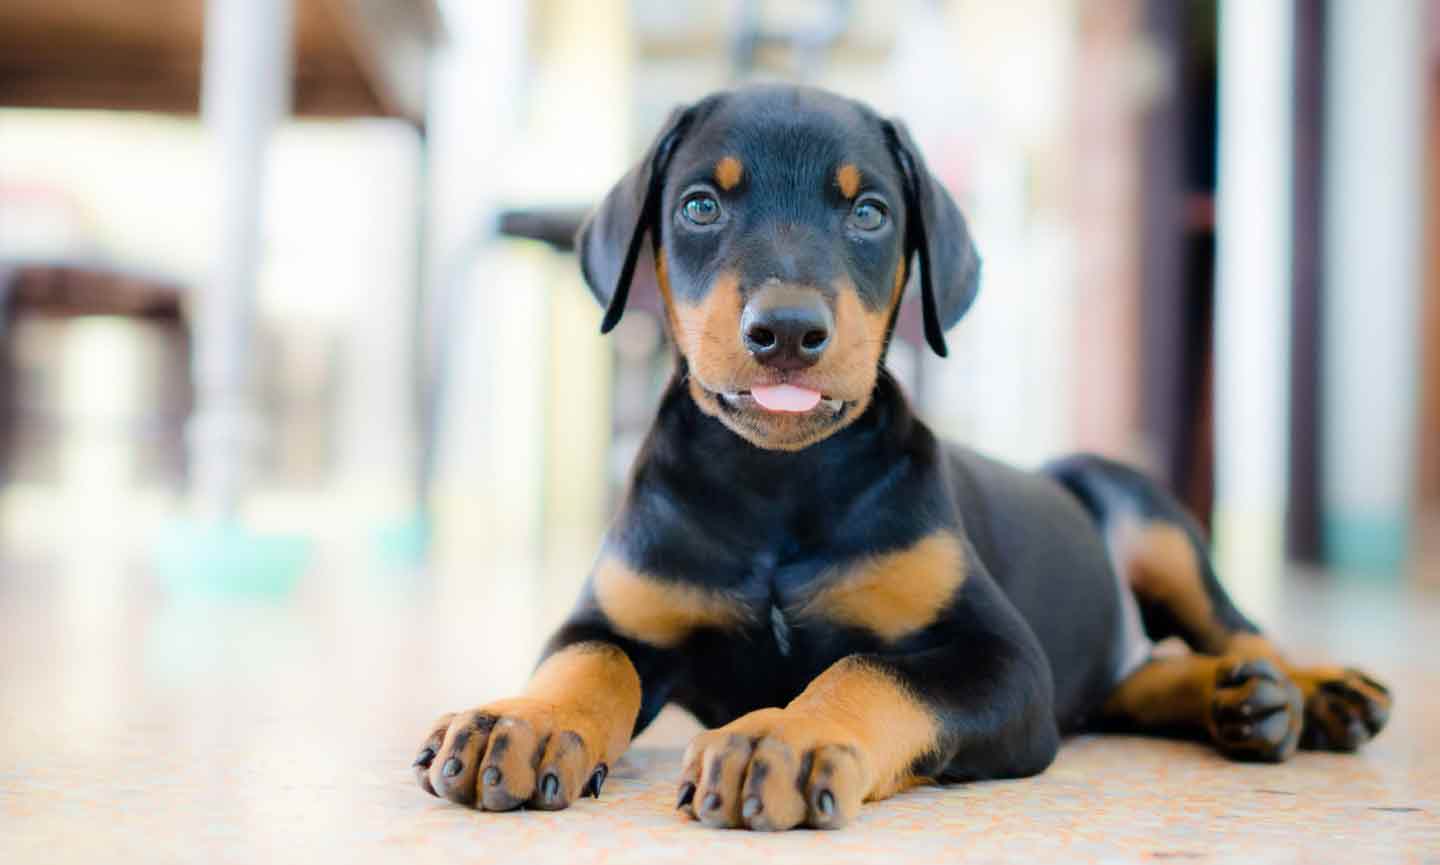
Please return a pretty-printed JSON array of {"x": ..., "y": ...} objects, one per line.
[{"x": 786, "y": 397}]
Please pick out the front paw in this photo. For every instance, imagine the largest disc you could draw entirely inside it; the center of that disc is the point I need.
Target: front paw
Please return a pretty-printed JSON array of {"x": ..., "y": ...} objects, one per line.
[
  {"x": 512, "y": 753},
  {"x": 774, "y": 769}
]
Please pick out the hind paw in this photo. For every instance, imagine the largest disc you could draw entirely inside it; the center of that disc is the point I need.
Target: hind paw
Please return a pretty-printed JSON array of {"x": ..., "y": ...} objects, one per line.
[
  {"x": 1344, "y": 710},
  {"x": 1256, "y": 711}
]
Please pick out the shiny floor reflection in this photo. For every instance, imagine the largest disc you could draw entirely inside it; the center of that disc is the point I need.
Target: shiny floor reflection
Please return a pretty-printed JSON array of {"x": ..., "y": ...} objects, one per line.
[{"x": 138, "y": 724}]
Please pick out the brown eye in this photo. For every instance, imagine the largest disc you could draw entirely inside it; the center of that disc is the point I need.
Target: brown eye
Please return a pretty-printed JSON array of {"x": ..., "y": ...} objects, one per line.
[
  {"x": 701, "y": 209},
  {"x": 868, "y": 215}
]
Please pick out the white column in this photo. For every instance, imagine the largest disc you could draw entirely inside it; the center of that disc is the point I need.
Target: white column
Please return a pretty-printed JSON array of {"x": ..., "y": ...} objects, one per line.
[
  {"x": 1252, "y": 291},
  {"x": 246, "y": 91},
  {"x": 1374, "y": 183}
]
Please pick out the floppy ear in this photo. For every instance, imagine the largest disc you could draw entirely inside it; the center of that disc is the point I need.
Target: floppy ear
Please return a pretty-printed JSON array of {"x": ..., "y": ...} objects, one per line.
[
  {"x": 934, "y": 229},
  {"x": 609, "y": 241}
]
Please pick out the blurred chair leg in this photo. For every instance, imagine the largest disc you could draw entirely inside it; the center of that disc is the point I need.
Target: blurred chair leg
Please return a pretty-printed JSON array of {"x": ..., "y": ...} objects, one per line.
[{"x": 245, "y": 93}]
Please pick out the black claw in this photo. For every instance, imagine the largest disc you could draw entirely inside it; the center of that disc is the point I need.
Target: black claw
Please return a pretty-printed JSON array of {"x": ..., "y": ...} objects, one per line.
[
  {"x": 491, "y": 777},
  {"x": 687, "y": 795},
  {"x": 427, "y": 755},
  {"x": 597, "y": 780},
  {"x": 451, "y": 768},
  {"x": 826, "y": 803},
  {"x": 549, "y": 787},
  {"x": 712, "y": 802}
]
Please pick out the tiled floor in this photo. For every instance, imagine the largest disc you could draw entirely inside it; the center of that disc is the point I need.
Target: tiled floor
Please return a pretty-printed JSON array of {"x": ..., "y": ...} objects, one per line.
[{"x": 141, "y": 725}]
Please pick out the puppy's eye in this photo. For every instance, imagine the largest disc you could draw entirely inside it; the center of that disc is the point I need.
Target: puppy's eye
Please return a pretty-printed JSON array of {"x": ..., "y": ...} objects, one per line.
[
  {"x": 868, "y": 215},
  {"x": 701, "y": 208}
]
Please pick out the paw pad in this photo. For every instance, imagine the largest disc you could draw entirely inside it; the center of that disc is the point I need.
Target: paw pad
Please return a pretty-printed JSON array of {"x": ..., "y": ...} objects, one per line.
[{"x": 1256, "y": 711}]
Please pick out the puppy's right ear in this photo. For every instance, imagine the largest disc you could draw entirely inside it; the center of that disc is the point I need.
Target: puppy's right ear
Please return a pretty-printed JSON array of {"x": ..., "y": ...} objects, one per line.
[{"x": 609, "y": 240}]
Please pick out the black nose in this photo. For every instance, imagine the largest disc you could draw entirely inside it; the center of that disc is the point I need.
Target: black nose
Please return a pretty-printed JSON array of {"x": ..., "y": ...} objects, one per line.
[{"x": 786, "y": 328}]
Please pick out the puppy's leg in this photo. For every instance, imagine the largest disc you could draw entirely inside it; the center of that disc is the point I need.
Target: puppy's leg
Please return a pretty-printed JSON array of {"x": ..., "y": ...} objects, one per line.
[
  {"x": 974, "y": 702},
  {"x": 556, "y": 741},
  {"x": 1174, "y": 579},
  {"x": 1161, "y": 554},
  {"x": 1250, "y": 709},
  {"x": 546, "y": 747}
]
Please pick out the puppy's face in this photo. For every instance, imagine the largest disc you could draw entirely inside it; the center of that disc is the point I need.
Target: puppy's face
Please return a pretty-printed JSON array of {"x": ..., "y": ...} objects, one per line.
[
  {"x": 781, "y": 263},
  {"x": 783, "y": 225}
]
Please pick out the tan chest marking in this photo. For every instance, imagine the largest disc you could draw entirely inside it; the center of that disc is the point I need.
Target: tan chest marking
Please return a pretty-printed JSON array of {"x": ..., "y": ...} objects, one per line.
[
  {"x": 896, "y": 593},
  {"x": 657, "y": 612}
]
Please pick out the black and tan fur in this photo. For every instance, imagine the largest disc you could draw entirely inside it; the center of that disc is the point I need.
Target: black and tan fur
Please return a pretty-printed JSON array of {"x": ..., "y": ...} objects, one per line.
[{"x": 852, "y": 605}]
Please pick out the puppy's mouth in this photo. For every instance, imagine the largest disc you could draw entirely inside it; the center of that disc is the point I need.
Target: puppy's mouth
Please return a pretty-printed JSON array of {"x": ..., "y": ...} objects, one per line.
[{"x": 785, "y": 399}]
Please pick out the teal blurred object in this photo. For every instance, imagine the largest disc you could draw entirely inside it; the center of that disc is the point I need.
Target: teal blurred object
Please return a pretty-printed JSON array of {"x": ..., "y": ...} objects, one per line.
[
  {"x": 405, "y": 543},
  {"x": 223, "y": 558},
  {"x": 1369, "y": 546}
]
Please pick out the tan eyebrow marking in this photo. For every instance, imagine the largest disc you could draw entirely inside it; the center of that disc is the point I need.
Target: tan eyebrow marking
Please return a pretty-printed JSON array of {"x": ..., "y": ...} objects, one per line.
[
  {"x": 728, "y": 172},
  {"x": 848, "y": 178}
]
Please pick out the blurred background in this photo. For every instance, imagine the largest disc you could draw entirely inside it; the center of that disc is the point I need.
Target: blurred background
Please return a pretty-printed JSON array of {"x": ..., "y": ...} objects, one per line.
[
  {"x": 269, "y": 282},
  {"x": 264, "y": 265},
  {"x": 297, "y": 373}
]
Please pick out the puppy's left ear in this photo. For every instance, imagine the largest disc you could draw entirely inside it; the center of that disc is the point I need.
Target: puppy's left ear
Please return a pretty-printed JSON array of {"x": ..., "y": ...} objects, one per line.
[
  {"x": 609, "y": 241},
  {"x": 935, "y": 230}
]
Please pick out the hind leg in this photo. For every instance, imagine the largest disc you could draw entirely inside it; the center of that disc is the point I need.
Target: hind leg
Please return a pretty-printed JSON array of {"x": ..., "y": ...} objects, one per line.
[
  {"x": 1158, "y": 551},
  {"x": 1179, "y": 595}
]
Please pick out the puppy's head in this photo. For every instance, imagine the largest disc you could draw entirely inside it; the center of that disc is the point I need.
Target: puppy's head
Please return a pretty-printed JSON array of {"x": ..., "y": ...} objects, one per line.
[{"x": 784, "y": 222}]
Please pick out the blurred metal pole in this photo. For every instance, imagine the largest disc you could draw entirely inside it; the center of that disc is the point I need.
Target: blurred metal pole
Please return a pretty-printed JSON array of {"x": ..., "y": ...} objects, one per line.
[
  {"x": 245, "y": 92},
  {"x": 1252, "y": 305}
]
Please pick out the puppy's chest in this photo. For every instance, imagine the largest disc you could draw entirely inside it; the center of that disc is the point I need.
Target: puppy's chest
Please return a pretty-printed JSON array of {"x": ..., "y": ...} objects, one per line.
[
  {"x": 777, "y": 599},
  {"x": 889, "y": 594}
]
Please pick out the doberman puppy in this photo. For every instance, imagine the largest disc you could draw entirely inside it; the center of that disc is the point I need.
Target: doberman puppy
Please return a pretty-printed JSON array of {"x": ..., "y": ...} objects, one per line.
[{"x": 853, "y": 606}]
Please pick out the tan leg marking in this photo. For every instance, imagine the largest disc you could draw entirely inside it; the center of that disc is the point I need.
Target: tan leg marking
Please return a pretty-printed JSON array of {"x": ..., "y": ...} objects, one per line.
[
  {"x": 1247, "y": 645},
  {"x": 659, "y": 612},
  {"x": 850, "y": 737},
  {"x": 1162, "y": 566},
  {"x": 847, "y": 177},
  {"x": 1166, "y": 692},
  {"x": 1331, "y": 708},
  {"x": 728, "y": 172},
  {"x": 1344, "y": 707},
  {"x": 573, "y": 720},
  {"x": 894, "y": 594},
  {"x": 1249, "y": 708}
]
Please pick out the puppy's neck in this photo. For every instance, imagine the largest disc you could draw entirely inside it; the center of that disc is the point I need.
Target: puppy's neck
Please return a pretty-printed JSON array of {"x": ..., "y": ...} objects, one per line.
[{"x": 707, "y": 506}]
